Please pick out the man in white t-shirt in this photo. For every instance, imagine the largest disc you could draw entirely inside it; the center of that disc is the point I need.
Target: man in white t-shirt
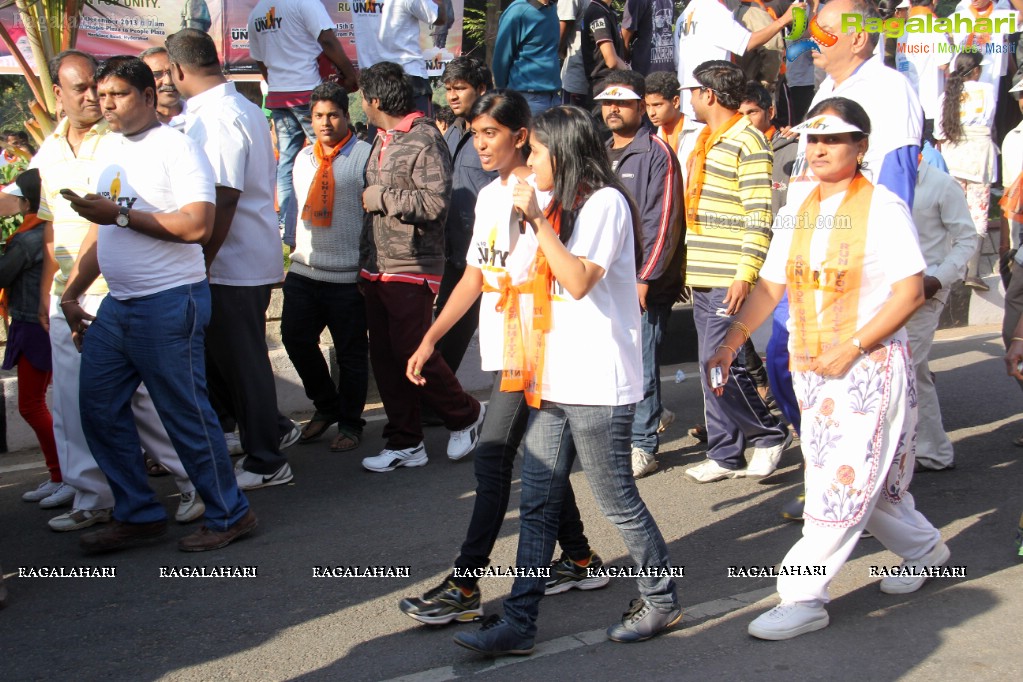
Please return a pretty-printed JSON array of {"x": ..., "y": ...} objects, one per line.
[
  {"x": 286, "y": 37},
  {"x": 707, "y": 30},
  {"x": 575, "y": 87},
  {"x": 896, "y": 117},
  {"x": 923, "y": 59},
  {"x": 152, "y": 206},
  {"x": 242, "y": 256},
  {"x": 389, "y": 32}
]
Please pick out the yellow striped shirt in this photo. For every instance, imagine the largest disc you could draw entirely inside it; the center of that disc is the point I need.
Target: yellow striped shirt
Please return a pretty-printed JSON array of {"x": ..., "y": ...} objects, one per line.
[
  {"x": 733, "y": 214},
  {"x": 60, "y": 168}
]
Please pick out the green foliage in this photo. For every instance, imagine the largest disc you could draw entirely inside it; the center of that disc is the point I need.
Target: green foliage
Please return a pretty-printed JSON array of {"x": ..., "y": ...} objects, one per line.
[
  {"x": 474, "y": 25},
  {"x": 14, "y": 98}
]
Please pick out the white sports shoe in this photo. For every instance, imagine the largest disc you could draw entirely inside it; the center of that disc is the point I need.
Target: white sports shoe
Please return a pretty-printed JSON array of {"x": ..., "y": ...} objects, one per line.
[
  {"x": 44, "y": 490},
  {"x": 709, "y": 471},
  {"x": 788, "y": 620},
  {"x": 64, "y": 494},
  {"x": 643, "y": 463},
  {"x": 765, "y": 460},
  {"x": 389, "y": 460},
  {"x": 234, "y": 444},
  {"x": 190, "y": 507},
  {"x": 916, "y": 571},
  {"x": 461, "y": 443}
]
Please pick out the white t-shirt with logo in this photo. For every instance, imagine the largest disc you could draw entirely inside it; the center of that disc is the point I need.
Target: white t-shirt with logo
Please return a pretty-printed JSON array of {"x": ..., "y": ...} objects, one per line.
[
  {"x": 891, "y": 252},
  {"x": 282, "y": 35},
  {"x": 236, "y": 138},
  {"x": 997, "y": 49},
  {"x": 706, "y": 30},
  {"x": 157, "y": 171},
  {"x": 976, "y": 107},
  {"x": 498, "y": 248},
  {"x": 388, "y": 31},
  {"x": 593, "y": 352}
]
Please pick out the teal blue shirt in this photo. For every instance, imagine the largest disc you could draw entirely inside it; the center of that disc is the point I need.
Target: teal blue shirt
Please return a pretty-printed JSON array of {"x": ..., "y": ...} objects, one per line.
[{"x": 526, "y": 49}]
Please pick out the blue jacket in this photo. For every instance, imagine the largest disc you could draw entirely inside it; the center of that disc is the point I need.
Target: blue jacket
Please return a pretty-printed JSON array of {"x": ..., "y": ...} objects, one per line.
[
  {"x": 651, "y": 173},
  {"x": 526, "y": 48}
]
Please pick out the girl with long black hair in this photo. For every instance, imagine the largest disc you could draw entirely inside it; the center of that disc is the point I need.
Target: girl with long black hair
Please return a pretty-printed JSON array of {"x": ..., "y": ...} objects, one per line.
[{"x": 578, "y": 362}]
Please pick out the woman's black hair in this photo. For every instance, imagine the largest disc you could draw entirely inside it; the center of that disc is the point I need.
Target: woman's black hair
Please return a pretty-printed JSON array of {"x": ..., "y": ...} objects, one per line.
[
  {"x": 951, "y": 126},
  {"x": 507, "y": 107},
  {"x": 28, "y": 183},
  {"x": 579, "y": 163}
]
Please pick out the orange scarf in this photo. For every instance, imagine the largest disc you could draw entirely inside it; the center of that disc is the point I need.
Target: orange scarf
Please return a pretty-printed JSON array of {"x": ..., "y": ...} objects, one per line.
[
  {"x": 31, "y": 221},
  {"x": 980, "y": 39},
  {"x": 920, "y": 11},
  {"x": 523, "y": 364},
  {"x": 839, "y": 277},
  {"x": 671, "y": 136},
  {"x": 1012, "y": 200},
  {"x": 695, "y": 169},
  {"x": 319, "y": 203},
  {"x": 770, "y": 133}
]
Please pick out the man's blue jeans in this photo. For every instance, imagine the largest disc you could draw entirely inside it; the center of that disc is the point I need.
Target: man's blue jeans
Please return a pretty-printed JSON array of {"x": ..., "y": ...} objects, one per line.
[
  {"x": 601, "y": 435},
  {"x": 157, "y": 340},
  {"x": 540, "y": 102},
  {"x": 648, "y": 411},
  {"x": 293, "y": 126}
]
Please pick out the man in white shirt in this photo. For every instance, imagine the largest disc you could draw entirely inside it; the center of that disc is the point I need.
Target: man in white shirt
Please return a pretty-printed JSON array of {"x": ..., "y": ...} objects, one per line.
[
  {"x": 152, "y": 205},
  {"x": 924, "y": 59},
  {"x": 170, "y": 108},
  {"x": 68, "y": 159},
  {"x": 389, "y": 32},
  {"x": 947, "y": 241},
  {"x": 707, "y": 30},
  {"x": 286, "y": 37},
  {"x": 575, "y": 86},
  {"x": 994, "y": 44},
  {"x": 242, "y": 255}
]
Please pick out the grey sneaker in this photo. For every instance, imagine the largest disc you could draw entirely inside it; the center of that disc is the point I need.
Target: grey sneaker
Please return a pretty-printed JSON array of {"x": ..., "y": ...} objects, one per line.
[
  {"x": 45, "y": 489},
  {"x": 496, "y": 638},
  {"x": 76, "y": 519},
  {"x": 643, "y": 621},
  {"x": 64, "y": 494}
]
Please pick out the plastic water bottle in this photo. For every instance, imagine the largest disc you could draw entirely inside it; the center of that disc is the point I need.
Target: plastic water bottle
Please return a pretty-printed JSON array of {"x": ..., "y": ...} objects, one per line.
[{"x": 680, "y": 376}]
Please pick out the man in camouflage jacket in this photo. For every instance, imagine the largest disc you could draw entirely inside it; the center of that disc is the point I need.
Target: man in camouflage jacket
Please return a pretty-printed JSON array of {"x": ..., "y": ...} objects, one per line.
[{"x": 401, "y": 257}]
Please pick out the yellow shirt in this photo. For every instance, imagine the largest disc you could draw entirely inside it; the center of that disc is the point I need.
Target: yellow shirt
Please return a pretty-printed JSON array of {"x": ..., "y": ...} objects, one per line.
[{"x": 60, "y": 168}]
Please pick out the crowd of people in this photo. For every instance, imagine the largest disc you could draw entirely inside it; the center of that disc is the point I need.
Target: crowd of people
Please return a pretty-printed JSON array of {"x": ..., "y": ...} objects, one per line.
[{"x": 569, "y": 195}]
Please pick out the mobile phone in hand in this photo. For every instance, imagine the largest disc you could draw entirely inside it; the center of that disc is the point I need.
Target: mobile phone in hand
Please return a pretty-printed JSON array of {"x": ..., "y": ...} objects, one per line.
[{"x": 67, "y": 193}]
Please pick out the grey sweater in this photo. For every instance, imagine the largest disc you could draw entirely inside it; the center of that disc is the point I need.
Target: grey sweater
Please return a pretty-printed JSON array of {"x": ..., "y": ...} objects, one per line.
[{"x": 331, "y": 254}]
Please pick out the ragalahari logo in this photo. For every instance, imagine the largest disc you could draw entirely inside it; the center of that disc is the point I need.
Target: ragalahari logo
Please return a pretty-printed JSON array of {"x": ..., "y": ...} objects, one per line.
[{"x": 818, "y": 36}]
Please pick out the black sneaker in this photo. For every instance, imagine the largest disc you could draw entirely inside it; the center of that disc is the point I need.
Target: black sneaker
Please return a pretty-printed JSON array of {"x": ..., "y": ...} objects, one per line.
[
  {"x": 443, "y": 604},
  {"x": 496, "y": 638},
  {"x": 567, "y": 575},
  {"x": 793, "y": 510},
  {"x": 643, "y": 621}
]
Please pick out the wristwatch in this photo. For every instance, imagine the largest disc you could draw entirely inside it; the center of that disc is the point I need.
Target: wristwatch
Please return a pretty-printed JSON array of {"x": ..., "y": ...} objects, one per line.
[
  {"x": 122, "y": 216},
  {"x": 859, "y": 346}
]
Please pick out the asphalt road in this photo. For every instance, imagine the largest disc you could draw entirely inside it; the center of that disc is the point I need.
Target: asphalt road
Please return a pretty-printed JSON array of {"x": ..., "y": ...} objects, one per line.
[{"x": 287, "y": 624}]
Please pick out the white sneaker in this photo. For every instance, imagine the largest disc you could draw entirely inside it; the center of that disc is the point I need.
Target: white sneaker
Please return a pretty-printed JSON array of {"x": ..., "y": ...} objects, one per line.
[
  {"x": 788, "y": 620},
  {"x": 916, "y": 571},
  {"x": 709, "y": 471},
  {"x": 461, "y": 443},
  {"x": 291, "y": 437},
  {"x": 76, "y": 519},
  {"x": 389, "y": 460},
  {"x": 44, "y": 490},
  {"x": 190, "y": 507},
  {"x": 765, "y": 460},
  {"x": 64, "y": 494},
  {"x": 667, "y": 419},
  {"x": 248, "y": 480},
  {"x": 234, "y": 444},
  {"x": 643, "y": 463}
]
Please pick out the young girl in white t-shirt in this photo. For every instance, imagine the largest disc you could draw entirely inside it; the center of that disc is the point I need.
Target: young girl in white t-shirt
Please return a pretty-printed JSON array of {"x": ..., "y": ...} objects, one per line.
[
  {"x": 964, "y": 134},
  {"x": 578, "y": 361},
  {"x": 500, "y": 259}
]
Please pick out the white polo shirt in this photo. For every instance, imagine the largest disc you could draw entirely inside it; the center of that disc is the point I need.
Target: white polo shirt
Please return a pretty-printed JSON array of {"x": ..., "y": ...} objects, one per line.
[
  {"x": 157, "y": 171},
  {"x": 706, "y": 30},
  {"x": 235, "y": 136}
]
